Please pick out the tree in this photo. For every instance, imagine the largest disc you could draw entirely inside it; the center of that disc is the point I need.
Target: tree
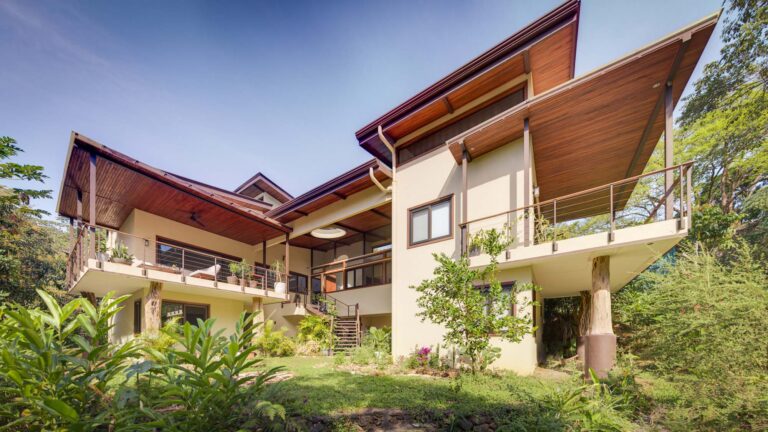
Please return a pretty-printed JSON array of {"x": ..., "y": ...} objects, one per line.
[
  {"x": 31, "y": 249},
  {"x": 470, "y": 303}
]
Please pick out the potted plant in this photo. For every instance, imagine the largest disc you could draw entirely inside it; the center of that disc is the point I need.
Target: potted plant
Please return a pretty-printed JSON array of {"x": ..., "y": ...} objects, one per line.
[
  {"x": 237, "y": 269},
  {"x": 101, "y": 246},
  {"x": 278, "y": 269},
  {"x": 120, "y": 254}
]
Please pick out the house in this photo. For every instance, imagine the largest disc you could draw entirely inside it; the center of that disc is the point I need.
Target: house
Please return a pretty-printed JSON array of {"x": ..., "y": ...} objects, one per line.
[{"x": 512, "y": 140}]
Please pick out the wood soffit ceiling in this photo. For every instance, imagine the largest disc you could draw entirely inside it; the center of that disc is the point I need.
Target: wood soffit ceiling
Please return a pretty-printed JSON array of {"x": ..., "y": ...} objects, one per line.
[
  {"x": 124, "y": 184},
  {"x": 365, "y": 222},
  {"x": 546, "y": 47},
  {"x": 587, "y": 132}
]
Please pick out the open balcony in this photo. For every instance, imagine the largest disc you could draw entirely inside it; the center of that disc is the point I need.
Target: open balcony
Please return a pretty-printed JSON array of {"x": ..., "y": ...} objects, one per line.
[
  {"x": 634, "y": 220},
  {"x": 103, "y": 260}
]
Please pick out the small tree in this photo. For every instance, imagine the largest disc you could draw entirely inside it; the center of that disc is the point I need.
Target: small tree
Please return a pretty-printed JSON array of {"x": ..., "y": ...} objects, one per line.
[{"x": 470, "y": 303}]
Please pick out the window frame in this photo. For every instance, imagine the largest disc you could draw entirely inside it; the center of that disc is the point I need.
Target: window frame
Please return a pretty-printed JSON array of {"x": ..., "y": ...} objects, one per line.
[
  {"x": 428, "y": 206},
  {"x": 184, "y": 305}
]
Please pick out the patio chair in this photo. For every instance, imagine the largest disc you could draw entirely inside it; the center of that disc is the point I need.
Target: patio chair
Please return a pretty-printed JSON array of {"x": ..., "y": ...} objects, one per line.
[{"x": 208, "y": 273}]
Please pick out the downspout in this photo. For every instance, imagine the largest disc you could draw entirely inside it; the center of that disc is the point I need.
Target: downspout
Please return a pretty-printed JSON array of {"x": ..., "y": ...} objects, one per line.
[{"x": 395, "y": 235}]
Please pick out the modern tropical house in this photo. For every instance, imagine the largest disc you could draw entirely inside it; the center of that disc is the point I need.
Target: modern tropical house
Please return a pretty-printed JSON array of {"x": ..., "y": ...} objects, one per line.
[{"x": 512, "y": 140}]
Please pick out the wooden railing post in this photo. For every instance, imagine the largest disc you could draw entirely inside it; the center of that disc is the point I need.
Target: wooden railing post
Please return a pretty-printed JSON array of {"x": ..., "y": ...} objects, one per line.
[
  {"x": 554, "y": 226},
  {"x": 612, "y": 215}
]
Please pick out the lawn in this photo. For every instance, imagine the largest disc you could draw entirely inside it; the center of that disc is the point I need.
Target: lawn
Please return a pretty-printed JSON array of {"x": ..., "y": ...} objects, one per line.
[{"x": 317, "y": 388}]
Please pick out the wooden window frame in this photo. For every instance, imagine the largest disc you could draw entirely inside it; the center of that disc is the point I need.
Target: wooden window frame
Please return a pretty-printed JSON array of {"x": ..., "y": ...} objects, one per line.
[{"x": 429, "y": 205}]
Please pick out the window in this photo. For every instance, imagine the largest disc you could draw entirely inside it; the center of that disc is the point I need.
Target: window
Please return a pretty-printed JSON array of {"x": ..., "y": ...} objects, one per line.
[
  {"x": 185, "y": 312},
  {"x": 506, "y": 288},
  {"x": 137, "y": 317},
  {"x": 297, "y": 283},
  {"x": 430, "y": 222}
]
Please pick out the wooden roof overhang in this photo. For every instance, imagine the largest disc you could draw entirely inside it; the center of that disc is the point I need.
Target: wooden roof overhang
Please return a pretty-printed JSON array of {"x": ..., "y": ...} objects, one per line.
[
  {"x": 334, "y": 190},
  {"x": 546, "y": 48},
  {"x": 260, "y": 182},
  {"x": 124, "y": 184},
  {"x": 356, "y": 226},
  {"x": 601, "y": 127}
]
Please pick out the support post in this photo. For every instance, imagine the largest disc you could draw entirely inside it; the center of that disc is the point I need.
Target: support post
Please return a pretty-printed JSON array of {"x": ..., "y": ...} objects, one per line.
[
  {"x": 526, "y": 182},
  {"x": 90, "y": 296},
  {"x": 287, "y": 260},
  {"x": 585, "y": 310},
  {"x": 600, "y": 341},
  {"x": 92, "y": 203},
  {"x": 264, "y": 253},
  {"x": 464, "y": 198},
  {"x": 669, "y": 176},
  {"x": 152, "y": 302},
  {"x": 257, "y": 313}
]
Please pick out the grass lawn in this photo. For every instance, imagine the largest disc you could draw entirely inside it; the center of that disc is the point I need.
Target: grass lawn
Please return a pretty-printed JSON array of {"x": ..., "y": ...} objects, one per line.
[{"x": 319, "y": 389}]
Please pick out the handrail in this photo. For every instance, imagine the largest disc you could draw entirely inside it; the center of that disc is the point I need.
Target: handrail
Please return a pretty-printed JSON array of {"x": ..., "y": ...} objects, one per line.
[
  {"x": 355, "y": 258},
  {"x": 182, "y": 259},
  {"x": 685, "y": 165}
]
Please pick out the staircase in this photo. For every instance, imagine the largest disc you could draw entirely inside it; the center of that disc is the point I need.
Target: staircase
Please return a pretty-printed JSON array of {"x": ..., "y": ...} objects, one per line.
[{"x": 346, "y": 333}]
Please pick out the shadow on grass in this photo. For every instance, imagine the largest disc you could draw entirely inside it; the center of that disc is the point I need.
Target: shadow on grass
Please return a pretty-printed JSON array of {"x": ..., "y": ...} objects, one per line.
[{"x": 509, "y": 401}]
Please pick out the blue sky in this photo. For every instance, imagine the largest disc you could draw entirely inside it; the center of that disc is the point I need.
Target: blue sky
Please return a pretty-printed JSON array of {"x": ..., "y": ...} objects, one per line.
[{"x": 217, "y": 91}]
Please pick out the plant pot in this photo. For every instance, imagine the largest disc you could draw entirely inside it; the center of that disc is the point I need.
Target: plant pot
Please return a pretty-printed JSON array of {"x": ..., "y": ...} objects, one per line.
[
  {"x": 280, "y": 287},
  {"x": 253, "y": 284},
  {"x": 233, "y": 280},
  {"x": 121, "y": 261}
]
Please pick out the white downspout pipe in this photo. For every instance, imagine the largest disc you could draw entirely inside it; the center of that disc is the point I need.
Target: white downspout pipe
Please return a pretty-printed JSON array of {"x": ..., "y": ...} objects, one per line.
[{"x": 395, "y": 237}]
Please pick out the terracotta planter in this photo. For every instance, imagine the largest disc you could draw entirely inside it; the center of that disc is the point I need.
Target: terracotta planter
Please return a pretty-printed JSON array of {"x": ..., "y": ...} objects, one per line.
[
  {"x": 122, "y": 261},
  {"x": 233, "y": 280},
  {"x": 253, "y": 284}
]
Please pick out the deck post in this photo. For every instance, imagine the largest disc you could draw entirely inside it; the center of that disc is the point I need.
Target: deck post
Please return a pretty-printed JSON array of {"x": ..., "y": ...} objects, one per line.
[
  {"x": 669, "y": 175},
  {"x": 464, "y": 198},
  {"x": 92, "y": 203},
  {"x": 526, "y": 182},
  {"x": 600, "y": 341},
  {"x": 152, "y": 302},
  {"x": 287, "y": 261}
]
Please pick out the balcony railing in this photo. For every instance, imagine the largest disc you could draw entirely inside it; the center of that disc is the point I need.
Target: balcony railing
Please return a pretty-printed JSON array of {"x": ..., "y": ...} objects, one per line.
[
  {"x": 107, "y": 245},
  {"x": 357, "y": 272},
  {"x": 630, "y": 202}
]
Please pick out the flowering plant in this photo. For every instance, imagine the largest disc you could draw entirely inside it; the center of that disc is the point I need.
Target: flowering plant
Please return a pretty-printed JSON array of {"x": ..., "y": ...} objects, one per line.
[{"x": 423, "y": 356}]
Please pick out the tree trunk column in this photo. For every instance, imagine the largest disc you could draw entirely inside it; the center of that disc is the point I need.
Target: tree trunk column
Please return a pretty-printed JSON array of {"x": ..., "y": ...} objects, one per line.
[
  {"x": 585, "y": 311},
  {"x": 152, "y": 303},
  {"x": 600, "y": 349}
]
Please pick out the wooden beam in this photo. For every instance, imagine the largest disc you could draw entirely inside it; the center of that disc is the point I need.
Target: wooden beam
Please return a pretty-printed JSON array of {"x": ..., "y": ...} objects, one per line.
[
  {"x": 657, "y": 108},
  {"x": 448, "y": 105},
  {"x": 380, "y": 213},
  {"x": 339, "y": 194},
  {"x": 92, "y": 202},
  {"x": 79, "y": 207},
  {"x": 669, "y": 175},
  {"x": 527, "y": 61},
  {"x": 264, "y": 253},
  {"x": 526, "y": 181},
  {"x": 464, "y": 198},
  {"x": 287, "y": 259},
  {"x": 301, "y": 212}
]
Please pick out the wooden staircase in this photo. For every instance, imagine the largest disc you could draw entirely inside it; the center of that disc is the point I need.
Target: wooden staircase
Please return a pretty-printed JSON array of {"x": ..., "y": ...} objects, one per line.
[{"x": 346, "y": 333}]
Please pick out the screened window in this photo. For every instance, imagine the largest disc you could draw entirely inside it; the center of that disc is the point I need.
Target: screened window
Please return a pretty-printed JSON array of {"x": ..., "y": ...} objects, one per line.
[
  {"x": 506, "y": 288},
  {"x": 184, "y": 312},
  {"x": 431, "y": 221}
]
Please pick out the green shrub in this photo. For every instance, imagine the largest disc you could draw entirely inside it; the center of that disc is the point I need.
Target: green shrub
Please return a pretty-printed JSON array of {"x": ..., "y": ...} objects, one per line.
[
  {"x": 211, "y": 378},
  {"x": 56, "y": 363},
  {"x": 274, "y": 343},
  {"x": 704, "y": 325},
  {"x": 379, "y": 339},
  {"x": 162, "y": 340},
  {"x": 315, "y": 328},
  {"x": 339, "y": 359},
  {"x": 308, "y": 348}
]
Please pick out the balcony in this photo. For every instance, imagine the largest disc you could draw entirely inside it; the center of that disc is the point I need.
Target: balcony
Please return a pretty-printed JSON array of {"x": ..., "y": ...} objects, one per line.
[
  {"x": 103, "y": 260},
  {"x": 634, "y": 220}
]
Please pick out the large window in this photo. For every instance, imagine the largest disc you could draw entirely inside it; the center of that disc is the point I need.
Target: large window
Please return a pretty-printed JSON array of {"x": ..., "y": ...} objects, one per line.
[
  {"x": 184, "y": 312},
  {"x": 506, "y": 288},
  {"x": 430, "y": 222}
]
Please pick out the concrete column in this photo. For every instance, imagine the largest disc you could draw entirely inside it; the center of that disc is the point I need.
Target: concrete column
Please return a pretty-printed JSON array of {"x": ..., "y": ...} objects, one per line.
[
  {"x": 600, "y": 347},
  {"x": 152, "y": 319}
]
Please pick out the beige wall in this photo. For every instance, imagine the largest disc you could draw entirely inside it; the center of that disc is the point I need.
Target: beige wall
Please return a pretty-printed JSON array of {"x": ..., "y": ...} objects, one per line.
[{"x": 495, "y": 183}]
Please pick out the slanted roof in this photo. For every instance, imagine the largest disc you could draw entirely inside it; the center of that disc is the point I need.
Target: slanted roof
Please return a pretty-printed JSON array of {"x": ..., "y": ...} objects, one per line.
[
  {"x": 124, "y": 183},
  {"x": 546, "y": 47},
  {"x": 338, "y": 188},
  {"x": 261, "y": 183},
  {"x": 601, "y": 127}
]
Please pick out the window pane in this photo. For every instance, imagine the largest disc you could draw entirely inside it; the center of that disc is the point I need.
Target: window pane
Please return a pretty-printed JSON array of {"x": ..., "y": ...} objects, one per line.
[
  {"x": 441, "y": 219},
  {"x": 194, "y": 312},
  {"x": 170, "y": 311},
  {"x": 420, "y": 225}
]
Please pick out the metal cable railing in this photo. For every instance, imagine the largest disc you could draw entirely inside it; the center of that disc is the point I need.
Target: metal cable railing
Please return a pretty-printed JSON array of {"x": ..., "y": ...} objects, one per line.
[{"x": 630, "y": 202}]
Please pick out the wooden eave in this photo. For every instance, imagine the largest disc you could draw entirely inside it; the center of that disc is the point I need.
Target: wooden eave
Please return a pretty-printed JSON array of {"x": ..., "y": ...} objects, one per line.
[
  {"x": 124, "y": 184},
  {"x": 356, "y": 225},
  {"x": 262, "y": 183},
  {"x": 546, "y": 48},
  {"x": 601, "y": 127},
  {"x": 334, "y": 190}
]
